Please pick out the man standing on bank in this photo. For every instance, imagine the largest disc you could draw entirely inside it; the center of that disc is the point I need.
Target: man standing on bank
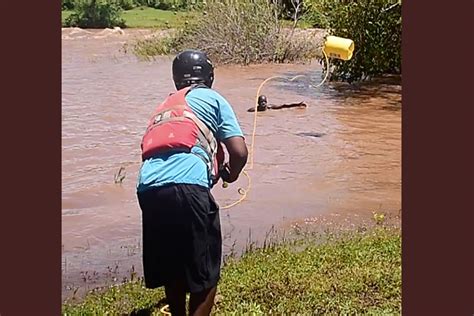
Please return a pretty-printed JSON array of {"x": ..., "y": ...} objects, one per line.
[{"x": 182, "y": 160}]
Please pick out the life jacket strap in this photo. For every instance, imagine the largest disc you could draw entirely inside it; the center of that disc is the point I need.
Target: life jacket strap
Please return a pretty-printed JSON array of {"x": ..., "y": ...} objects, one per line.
[
  {"x": 208, "y": 136},
  {"x": 206, "y": 141}
]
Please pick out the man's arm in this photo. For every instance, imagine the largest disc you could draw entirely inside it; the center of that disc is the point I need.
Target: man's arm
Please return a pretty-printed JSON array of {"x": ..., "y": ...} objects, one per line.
[
  {"x": 238, "y": 154},
  {"x": 290, "y": 105},
  {"x": 230, "y": 134}
]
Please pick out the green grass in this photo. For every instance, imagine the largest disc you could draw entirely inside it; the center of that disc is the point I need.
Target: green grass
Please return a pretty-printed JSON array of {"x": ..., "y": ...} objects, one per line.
[
  {"x": 358, "y": 273},
  {"x": 145, "y": 17}
]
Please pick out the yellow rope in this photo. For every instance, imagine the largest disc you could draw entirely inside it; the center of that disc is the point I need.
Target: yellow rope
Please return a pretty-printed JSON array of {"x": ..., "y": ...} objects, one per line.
[
  {"x": 242, "y": 191},
  {"x": 164, "y": 310}
]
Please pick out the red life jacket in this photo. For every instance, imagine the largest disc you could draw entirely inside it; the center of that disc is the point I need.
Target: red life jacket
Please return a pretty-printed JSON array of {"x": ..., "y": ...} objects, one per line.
[{"x": 174, "y": 127}]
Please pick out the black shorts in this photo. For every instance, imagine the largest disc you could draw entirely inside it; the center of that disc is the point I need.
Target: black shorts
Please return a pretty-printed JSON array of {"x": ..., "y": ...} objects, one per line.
[{"x": 181, "y": 236}]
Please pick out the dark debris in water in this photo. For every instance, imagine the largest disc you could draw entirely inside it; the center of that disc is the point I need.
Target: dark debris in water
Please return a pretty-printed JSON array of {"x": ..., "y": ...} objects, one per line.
[
  {"x": 393, "y": 107},
  {"x": 311, "y": 134}
]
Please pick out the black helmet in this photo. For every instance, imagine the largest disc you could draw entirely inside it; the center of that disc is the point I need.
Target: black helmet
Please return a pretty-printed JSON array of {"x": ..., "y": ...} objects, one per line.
[
  {"x": 192, "y": 66},
  {"x": 262, "y": 100}
]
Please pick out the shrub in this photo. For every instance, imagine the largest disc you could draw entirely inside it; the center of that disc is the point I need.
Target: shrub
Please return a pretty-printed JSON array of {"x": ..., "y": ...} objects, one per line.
[
  {"x": 238, "y": 32},
  {"x": 67, "y": 4},
  {"x": 169, "y": 4},
  {"x": 95, "y": 14},
  {"x": 126, "y": 4},
  {"x": 288, "y": 8},
  {"x": 313, "y": 14},
  {"x": 172, "y": 4},
  {"x": 145, "y": 3},
  {"x": 375, "y": 28}
]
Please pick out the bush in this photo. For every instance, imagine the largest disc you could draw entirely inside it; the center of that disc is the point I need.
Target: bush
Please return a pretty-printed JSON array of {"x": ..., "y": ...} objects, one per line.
[
  {"x": 374, "y": 26},
  {"x": 145, "y": 3},
  {"x": 313, "y": 14},
  {"x": 172, "y": 4},
  {"x": 95, "y": 14},
  {"x": 169, "y": 4},
  {"x": 67, "y": 4},
  {"x": 238, "y": 32},
  {"x": 126, "y": 4},
  {"x": 288, "y": 8}
]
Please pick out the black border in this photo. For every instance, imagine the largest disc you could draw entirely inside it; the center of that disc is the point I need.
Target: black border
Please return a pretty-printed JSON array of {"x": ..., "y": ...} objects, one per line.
[
  {"x": 30, "y": 223},
  {"x": 437, "y": 158}
]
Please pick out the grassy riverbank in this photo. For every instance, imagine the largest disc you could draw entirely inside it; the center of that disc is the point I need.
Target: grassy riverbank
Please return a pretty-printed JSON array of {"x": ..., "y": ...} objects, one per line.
[
  {"x": 357, "y": 273},
  {"x": 243, "y": 32},
  {"x": 145, "y": 17}
]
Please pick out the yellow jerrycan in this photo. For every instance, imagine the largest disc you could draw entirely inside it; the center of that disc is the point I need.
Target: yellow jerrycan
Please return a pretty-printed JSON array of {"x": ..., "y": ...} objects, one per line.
[{"x": 339, "y": 47}]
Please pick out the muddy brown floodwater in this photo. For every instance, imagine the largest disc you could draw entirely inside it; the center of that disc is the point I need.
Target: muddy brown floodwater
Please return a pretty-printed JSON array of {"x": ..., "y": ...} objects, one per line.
[{"x": 339, "y": 157}]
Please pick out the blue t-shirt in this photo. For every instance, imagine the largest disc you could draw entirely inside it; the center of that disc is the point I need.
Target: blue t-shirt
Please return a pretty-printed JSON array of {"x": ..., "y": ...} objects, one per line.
[{"x": 188, "y": 168}]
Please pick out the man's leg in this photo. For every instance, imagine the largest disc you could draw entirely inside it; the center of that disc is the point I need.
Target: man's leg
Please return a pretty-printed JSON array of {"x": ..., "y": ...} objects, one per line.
[
  {"x": 176, "y": 297},
  {"x": 200, "y": 304},
  {"x": 204, "y": 248}
]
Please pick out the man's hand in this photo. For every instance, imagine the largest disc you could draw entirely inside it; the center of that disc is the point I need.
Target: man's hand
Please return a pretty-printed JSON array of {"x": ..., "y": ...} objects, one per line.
[
  {"x": 224, "y": 173},
  {"x": 238, "y": 153}
]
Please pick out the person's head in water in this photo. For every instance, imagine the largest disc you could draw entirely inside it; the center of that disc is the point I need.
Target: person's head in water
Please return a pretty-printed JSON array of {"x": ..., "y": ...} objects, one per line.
[
  {"x": 192, "y": 67},
  {"x": 262, "y": 103}
]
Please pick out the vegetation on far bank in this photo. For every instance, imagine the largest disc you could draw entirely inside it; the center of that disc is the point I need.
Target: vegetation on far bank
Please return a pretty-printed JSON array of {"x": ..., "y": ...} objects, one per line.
[
  {"x": 146, "y": 17},
  {"x": 353, "y": 273},
  {"x": 236, "y": 32},
  {"x": 258, "y": 31},
  {"x": 376, "y": 29},
  {"x": 245, "y": 32},
  {"x": 130, "y": 4}
]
